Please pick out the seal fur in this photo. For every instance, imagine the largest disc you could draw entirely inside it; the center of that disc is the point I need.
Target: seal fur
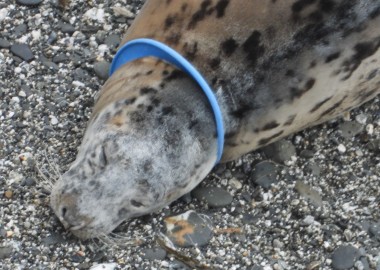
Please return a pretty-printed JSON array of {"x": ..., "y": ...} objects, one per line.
[{"x": 276, "y": 67}]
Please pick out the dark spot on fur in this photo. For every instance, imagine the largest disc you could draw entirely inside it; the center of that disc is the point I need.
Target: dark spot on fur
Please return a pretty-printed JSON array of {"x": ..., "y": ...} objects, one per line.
[
  {"x": 270, "y": 125},
  {"x": 221, "y": 7},
  {"x": 147, "y": 90},
  {"x": 372, "y": 74},
  {"x": 332, "y": 57},
  {"x": 265, "y": 141},
  {"x": 169, "y": 21},
  {"x": 362, "y": 51},
  {"x": 136, "y": 203},
  {"x": 199, "y": 15},
  {"x": 319, "y": 104},
  {"x": 175, "y": 74},
  {"x": 173, "y": 38},
  {"x": 129, "y": 101},
  {"x": 167, "y": 110},
  {"x": 253, "y": 47},
  {"x": 149, "y": 108},
  {"x": 192, "y": 123},
  {"x": 229, "y": 135},
  {"x": 229, "y": 46},
  {"x": 184, "y": 7},
  {"x": 190, "y": 50},
  {"x": 298, "y": 92},
  {"x": 290, "y": 73},
  {"x": 375, "y": 13},
  {"x": 290, "y": 120},
  {"x": 214, "y": 63},
  {"x": 333, "y": 107},
  {"x": 299, "y": 5},
  {"x": 313, "y": 64},
  {"x": 242, "y": 112},
  {"x": 155, "y": 102}
]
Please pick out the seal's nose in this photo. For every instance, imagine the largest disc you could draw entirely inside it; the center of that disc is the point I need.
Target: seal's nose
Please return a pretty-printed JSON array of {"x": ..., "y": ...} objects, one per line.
[{"x": 69, "y": 214}]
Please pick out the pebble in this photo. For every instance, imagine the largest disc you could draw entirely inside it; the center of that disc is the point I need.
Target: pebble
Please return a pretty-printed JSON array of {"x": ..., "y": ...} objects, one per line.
[
  {"x": 67, "y": 28},
  {"x": 29, "y": 2},
  {"x": 52, "y": 239},
  {"x": 344, "y": 257},
  {"x": 4, "y": 44},
  {"x": 104, "y": 266},
  {"x": 341, "y": 148},
  {"x": 189, "y": 229},
  {"x": 112, "y": 41},
  {"x": 101, "y": 69},
  {"x": 309, "y": 193},
  {"x": 280, "y": 151},
  {"x": 23, "y": 51},
  {"x": 213, "y": 196},
  {"x": 5, "y": 252},
  {"x": 8, "y": 194},
  {"x": 264, "y": 174},
  {"x": 153, "y": 253},
  {"x": 350, "y": 129},
  {"x": 374, "y": 230}
]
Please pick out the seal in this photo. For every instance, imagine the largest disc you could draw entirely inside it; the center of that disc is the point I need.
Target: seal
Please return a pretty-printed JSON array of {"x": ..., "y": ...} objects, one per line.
[{"x": 275, "y": 67}]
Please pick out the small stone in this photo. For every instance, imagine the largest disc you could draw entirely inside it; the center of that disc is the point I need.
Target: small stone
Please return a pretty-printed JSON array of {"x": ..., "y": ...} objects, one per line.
[
  {"x": 23, "y": 51},
  {"x": 4, "y": 44},
  {"x": 213, "y": 196},
  {"x": 280, "y": 151},
  {"x": 67, "y": 28},
  {"x": 8, "y": 194},
  {"x": 30, "y": 3},
  {"x": 112, "y": 41},
  {"x": 264, "y": 174},
  {"x": 53, "y": 239},
  {"x": 104, "y": 266},
  {"x": 344, "y": 257},
  {"x": 342, "y": 148},
  {"x": 374, "y": 230},
  {"x": 153, "y": 254},
  {"x": 307, "y": 154},
  {"x": 350, "y": 129},
  {"x": 189, "y": 229},
  {"x": 5, "y": 252},
  {"x": 234, "y": 183},
  {"x": 101, "y": 69},
  {"x": 309, "y": 193}
]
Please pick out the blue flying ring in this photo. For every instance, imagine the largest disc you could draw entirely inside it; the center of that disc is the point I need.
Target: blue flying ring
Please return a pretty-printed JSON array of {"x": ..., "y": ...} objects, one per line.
[{"x": 144, "y": 47}]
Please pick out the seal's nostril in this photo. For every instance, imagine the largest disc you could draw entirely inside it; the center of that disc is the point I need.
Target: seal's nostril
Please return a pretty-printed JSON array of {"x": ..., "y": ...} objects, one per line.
[{"x": 64, "y": 210}]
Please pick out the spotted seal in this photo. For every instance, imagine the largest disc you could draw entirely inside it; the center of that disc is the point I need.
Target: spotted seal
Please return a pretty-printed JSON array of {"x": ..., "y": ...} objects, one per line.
[{"x": 276, "y": 67}]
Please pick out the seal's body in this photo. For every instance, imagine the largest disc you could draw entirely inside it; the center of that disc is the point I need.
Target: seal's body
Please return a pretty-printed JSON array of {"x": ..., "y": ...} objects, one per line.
[{"x": 276, "y": 67}]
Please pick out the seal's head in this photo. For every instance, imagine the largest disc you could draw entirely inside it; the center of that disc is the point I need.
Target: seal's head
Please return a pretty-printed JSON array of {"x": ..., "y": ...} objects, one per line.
[{"x": 138, "y": 154}]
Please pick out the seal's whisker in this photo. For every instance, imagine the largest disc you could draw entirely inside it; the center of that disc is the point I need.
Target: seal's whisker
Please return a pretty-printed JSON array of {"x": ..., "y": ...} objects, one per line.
[{"x": 54, "y": 167}]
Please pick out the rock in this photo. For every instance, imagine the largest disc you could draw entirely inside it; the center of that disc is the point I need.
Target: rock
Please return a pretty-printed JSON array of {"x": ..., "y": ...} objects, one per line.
[
  {"x": 350, "y": 129},
  {"x": 264, "y": 174},
  {"x": 344, "y": 257},
  {"x": 309, "y": 193},
  {"x": 189, "y": 229},
  {"x": 101, "y": 69},
  {"x": 213, "y": 196},
  {"x": 4, "y": 44},
  {"x": 280, "y": 151},
  {"x": 153, "y": 253},
  {"x": 67, "y": 28},
  {"x": 5, "y": 252},
  {"x": 30, "y": 3},
  {"x": 23, "y": 51}
]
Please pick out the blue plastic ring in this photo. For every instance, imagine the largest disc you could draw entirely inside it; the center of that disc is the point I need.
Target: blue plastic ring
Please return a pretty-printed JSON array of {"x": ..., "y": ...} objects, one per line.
[{"x": 144, "y": 47}]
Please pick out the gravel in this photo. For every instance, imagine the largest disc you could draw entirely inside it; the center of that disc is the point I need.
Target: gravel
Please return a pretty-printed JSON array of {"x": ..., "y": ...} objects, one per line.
[{"x": 306, "y": 219}]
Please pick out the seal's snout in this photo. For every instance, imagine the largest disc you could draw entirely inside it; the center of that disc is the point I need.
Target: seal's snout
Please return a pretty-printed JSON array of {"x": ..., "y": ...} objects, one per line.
[{"x": 69, "y": 215}]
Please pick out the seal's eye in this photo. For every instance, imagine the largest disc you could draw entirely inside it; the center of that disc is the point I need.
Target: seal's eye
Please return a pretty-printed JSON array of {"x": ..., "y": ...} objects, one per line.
[{"x": 136, "y": 203}]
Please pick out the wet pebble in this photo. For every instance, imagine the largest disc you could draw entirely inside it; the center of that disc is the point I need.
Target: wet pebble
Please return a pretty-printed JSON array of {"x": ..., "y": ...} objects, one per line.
[
  {"x": 264, "y": 174},
  {"x": 309, "y": 193},
  {"x": 53, "y": 239},
  {"x": 189, "y": 229},
  {"x": 23, "y": 51},
  {"x": 350, "y": 129},
  {"x": 213, "y": 196},
  {"x": 344, "y": 257},
  {"x": 67, "y": 28},
  {"x": 29, "y": 2},
  {"x": 280, "y": 151},
  {"x": 5, "y": 252},
  {"x": 374, "y": 230},
  {"x": 112, "y": 41},
  {"x": 4, "y": 44},
  {"x": 101, "y": 69},
  {"x": 153, "y": 253}
]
